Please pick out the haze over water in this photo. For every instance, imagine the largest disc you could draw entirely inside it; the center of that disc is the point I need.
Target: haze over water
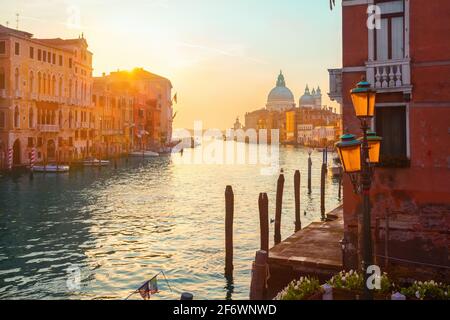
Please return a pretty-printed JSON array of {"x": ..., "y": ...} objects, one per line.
[{"x": 123, "y": 226}]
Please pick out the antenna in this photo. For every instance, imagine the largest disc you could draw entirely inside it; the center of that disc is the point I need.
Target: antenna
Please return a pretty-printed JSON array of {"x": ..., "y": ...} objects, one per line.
[
  {"x": 7, "y": 24},
  {"x": 17, "y": 21}
]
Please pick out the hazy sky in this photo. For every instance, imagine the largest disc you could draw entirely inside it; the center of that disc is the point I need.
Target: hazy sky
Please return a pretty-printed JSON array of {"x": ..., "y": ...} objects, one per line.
[{"x": 222, "y": 56}]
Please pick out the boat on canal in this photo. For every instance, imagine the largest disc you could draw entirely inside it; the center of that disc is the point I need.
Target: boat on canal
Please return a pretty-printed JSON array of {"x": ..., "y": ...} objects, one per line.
[
  {"x": 51, "y": 168},
  {"x": 94, "y": 162},
  {"x": 144, "y": 154}
]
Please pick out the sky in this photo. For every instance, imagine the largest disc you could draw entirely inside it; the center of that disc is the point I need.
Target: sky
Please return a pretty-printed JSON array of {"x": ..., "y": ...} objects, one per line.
[{"x": 222, "y": 56}]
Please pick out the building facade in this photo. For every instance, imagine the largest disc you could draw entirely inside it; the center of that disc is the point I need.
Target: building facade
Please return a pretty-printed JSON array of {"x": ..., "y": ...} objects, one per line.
[
  {"x": 281, "y": 113},
  {"x": 45, "y": 90},
  {"x": 407, "y": 61},
  {"x": 50, "y": 104}
]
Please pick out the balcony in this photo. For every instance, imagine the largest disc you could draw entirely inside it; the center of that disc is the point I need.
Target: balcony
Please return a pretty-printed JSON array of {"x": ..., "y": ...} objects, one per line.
[
  {"x": 50, "y": 128},
  {"x": 390, "y": 76},
  {"x": 335, "y": 93}
]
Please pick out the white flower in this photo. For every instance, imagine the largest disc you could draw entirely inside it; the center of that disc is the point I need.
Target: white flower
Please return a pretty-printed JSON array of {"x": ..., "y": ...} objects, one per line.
[{"x": 417, "y": 295}]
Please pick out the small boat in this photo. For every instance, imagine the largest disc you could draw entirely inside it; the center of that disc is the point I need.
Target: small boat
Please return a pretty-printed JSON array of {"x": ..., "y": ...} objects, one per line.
[
  {"x": 144, "y": 154},
  {"x": 93, "y": 162},
  {"x": 336, "y": 168},
  {"x": 51, "y": 168},
  {"x": 336, "y": 171}
]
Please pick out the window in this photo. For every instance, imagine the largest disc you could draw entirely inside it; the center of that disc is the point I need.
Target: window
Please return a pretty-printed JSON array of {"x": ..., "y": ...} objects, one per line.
[
  {"x": 39, "y": 143},
  {"x": 30, "y": 142},
  {"x": 2, "y": 79},
  {"x": 16, "y": 117},
  {"x": 17, "y": 48},
  {"x": 2, "y": 120},
  {"x": 2, "y": 47},
  {"x": 49, "y": 57},
  {"x": 391, "y": 122},
  {"x": 389, "y": 40},
  {"x": 70, "y": 62},
  {"x": 31, "y": 53},
  {"x": 60, "y": 60},
  {"x": 39, "y": 54},
  {"x": 31, "y": 118},
  {"x": 44, "y": 56}
]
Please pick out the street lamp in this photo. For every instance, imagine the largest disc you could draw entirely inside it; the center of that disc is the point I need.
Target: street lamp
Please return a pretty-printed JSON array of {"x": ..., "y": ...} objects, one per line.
[{"x": 358, "y": 157}]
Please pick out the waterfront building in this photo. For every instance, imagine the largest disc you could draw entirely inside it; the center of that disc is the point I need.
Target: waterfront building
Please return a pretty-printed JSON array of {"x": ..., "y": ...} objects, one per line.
[
  {"x": 113, "y": 102},
  {"x": 47, "y": 103},
  {"x": 281, "y": 113},
  {"x": 152, "y": 106},
  {"x": 407, "y": 61},
  {"x": 45, "y": 90}
]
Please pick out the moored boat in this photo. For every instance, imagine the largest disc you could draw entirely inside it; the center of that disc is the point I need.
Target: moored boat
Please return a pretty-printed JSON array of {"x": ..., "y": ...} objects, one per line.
[
  {"x": 93, "y": 162},
  {"x": 144, "y": 154},
  {"x": 51, "y": 168}
]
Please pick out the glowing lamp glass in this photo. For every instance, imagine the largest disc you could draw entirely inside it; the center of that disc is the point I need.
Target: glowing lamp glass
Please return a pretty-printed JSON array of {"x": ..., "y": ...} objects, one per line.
[
  {"x": 363, "y": 98},
  {"x": 350, "y": 153}
]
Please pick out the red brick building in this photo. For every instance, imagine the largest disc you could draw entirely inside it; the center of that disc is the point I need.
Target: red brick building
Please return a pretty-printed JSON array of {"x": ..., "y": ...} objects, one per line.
[{"x": 407, "y": 60}]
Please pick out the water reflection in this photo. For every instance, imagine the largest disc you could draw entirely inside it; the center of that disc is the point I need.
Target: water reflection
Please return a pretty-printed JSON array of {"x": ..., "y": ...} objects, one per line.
[{"x": 122, "y": 226}]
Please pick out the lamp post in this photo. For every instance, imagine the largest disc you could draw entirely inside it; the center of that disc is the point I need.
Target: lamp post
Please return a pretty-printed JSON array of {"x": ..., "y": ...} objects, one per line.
[{"x": 358, "y": 157}]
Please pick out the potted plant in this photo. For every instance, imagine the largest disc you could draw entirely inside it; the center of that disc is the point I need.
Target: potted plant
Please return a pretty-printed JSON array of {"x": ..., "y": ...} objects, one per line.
[
  {"x": 428, "y": 290},
  {"x": 305, "y": 288},
  {"x": 350, "y": 286}
]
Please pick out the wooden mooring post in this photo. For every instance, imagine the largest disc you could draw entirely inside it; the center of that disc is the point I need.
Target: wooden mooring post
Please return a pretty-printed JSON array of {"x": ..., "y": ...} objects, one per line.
[
  {"x": 309, "y": 172},
  {"x": 229, "y": 215},
  {"x": 263, "y": 204},
  {"x": 322, "y": 191},
  {"x": 298, "y": 222},
  {"x": 278, "y": 208},
  {"x": 258, "y": 286}
]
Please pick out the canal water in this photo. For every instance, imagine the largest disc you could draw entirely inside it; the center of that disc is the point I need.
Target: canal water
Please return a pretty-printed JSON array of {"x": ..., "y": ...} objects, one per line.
[{"x": 115, "y": 228}]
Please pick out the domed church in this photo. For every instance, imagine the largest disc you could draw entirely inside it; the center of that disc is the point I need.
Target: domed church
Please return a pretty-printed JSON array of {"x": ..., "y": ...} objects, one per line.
[
  {"x": 280, "y": 98},
  {"x": 311, "y": 99}
]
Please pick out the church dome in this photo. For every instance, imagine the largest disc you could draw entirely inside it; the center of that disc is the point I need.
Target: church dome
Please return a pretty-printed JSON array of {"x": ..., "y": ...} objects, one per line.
[
  {"x": 280, "y": 97},
  {"x": 307, "y": 99}
]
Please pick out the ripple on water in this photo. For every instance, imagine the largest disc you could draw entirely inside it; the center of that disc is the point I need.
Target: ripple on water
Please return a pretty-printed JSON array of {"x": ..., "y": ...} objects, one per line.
[{"x": 120, "y": 227}]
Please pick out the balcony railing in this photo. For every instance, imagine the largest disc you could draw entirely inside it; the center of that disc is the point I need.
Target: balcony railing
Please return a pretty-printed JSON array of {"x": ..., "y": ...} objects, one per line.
[
  {"x": 48, "y": 127},
  {"x": 392, "y": 75},
  {"x": 335, "y": 93}
]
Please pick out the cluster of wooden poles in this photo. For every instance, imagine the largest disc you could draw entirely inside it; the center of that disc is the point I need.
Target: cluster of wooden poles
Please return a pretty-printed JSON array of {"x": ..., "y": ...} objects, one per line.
[{"x": 260, "y": 266}]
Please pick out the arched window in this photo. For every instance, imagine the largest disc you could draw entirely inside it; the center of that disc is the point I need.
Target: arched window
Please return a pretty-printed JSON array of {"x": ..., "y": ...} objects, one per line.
[
  {"x": 60, "y": 87},
  {"x": 49, "y": 83},
  {"x": 44, "y": 82},
  {"x": 16, "y": 79},
  {"x": 39, "y": 117},
  {"x": 76, "y": 89},
  {"x": 2, "y": 78},
  {"x": 31, "y": 82},
  {"x": 70, "y": 119},
  {"x": 60, "y": 118},
  {"x": 31, "y": 118},
  {"x": 39, "y": 83},
  {"x": 70, "y": 88},
  {"x": 53, "y": 93},
  {"x": 53, "y": 120},
  {"x": 16, "y": 117}
]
